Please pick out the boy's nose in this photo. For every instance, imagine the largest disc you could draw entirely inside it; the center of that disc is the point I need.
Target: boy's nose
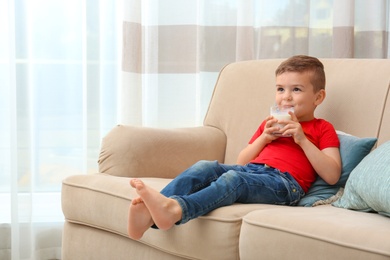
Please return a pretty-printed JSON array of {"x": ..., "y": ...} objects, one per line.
[{"x": 287, "y": 96}]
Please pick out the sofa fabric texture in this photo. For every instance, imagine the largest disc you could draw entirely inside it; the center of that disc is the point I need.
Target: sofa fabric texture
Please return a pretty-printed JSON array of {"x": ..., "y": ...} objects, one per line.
[{"x": 96, "y": 206}]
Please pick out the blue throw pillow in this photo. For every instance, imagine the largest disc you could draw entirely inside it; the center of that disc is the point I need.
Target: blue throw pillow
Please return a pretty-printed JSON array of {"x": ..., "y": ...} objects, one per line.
[
  {"x": 368, "y": 186},
  {"x": 352, "y": 151}
]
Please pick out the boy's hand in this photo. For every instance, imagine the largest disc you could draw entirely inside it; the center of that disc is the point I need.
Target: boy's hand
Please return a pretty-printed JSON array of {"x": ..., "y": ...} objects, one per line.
[
  {"x": 292, "y": 129},
  {"x": 269, "y": 130}
]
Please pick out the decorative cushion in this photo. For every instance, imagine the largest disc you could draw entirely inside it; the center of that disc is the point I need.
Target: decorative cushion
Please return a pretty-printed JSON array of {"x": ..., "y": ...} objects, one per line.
[
  {"x": 352, "y": 151},
  {"x": 367, "y": 189}
]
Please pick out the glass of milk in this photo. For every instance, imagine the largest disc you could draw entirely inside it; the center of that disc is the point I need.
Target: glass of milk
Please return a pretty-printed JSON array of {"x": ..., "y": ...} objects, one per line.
[{"x": 280, "y": 114}]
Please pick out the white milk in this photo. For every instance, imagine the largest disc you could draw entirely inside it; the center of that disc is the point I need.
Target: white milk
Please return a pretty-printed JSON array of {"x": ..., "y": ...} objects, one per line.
[{"x": 280, "y": 115}]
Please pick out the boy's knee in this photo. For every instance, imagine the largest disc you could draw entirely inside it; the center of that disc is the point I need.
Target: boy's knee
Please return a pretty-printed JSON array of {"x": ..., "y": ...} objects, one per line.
[
  {"x": 203, "y": 164},
  {"x": 231, "y": 176}
]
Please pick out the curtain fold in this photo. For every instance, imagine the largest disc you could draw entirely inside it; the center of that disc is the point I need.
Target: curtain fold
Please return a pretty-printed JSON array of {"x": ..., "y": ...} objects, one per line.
[
  {"x": 173, "y": 50},
  {"x": 59, "y": 85}
]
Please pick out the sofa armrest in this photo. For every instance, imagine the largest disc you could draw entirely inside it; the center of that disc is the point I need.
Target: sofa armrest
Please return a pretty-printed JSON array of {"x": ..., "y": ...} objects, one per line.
[{"x": 130, "y": 151}]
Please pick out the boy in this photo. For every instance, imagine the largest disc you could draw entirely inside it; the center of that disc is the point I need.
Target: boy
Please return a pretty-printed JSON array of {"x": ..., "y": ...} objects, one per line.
[{"x": 273, "y": 168}]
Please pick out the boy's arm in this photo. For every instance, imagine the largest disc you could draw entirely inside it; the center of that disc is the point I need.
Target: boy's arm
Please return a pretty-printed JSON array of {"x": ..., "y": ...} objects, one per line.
[
  {"x": 326, "y": 162},
  {"x": 252, "y": 150}
]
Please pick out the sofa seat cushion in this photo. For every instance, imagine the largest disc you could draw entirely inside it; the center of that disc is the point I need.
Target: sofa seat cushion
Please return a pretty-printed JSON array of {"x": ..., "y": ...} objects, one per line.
[
  {"x": 102, "y": 201},
  {"x": 323, "y": 232}
]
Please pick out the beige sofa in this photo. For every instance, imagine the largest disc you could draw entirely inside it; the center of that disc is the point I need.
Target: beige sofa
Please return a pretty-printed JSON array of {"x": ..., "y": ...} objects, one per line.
[{"x": 96, "y": 206}]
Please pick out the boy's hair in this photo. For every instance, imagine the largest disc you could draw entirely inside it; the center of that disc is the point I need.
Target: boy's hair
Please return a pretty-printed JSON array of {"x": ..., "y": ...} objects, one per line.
[{"x": 303, "y": 63}]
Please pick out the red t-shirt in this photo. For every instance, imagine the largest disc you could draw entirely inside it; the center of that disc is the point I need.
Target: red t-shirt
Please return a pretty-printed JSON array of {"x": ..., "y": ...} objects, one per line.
[{"x": 285, "y": 155}]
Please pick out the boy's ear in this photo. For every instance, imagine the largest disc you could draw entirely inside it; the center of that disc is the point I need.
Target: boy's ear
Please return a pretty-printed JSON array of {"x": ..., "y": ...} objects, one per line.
[{"x": 320, "y": 97}]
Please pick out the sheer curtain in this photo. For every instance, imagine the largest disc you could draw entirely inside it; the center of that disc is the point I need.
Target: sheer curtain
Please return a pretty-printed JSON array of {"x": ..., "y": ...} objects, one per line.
[
  {"x": 173, "y": 49},
  {"x": 59, "y": 85}
]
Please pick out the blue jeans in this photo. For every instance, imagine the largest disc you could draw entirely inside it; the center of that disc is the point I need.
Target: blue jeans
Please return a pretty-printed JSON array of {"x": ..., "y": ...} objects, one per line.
[{"x": 208, "y": 185}]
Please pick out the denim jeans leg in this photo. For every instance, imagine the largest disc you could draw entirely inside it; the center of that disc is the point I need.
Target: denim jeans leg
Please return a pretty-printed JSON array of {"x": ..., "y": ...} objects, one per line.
[
  {"x": 265, "y": 185},
  {"x": 195, "y": 178}
]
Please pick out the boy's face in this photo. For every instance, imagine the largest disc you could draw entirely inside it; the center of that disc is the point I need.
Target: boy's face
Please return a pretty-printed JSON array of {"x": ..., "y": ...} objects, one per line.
[{"x": 294, "y": 89}]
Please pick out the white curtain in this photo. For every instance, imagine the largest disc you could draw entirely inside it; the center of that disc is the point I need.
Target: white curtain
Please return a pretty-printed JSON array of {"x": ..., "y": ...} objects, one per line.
[
  {"x": 173, "y": 49},
  {"x": 60, "y": 63}
]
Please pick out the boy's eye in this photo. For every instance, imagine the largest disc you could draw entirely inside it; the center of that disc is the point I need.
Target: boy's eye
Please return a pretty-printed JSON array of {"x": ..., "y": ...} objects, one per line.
[
  {"x": 297, "y": 89},
  {"x": 280, "y": 89}
]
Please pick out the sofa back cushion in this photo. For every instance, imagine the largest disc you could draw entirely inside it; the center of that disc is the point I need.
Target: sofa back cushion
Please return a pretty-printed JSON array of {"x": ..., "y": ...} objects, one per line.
[{"x": 357, "y": 90}]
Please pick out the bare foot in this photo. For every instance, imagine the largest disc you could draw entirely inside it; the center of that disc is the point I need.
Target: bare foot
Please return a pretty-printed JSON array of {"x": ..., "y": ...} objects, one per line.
[
  {"x": 136, "y": 201},
  {"x": 165, "y": 211},
  {"x": 139, "y": 220},
  {"x": 133, "y": 183}
]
